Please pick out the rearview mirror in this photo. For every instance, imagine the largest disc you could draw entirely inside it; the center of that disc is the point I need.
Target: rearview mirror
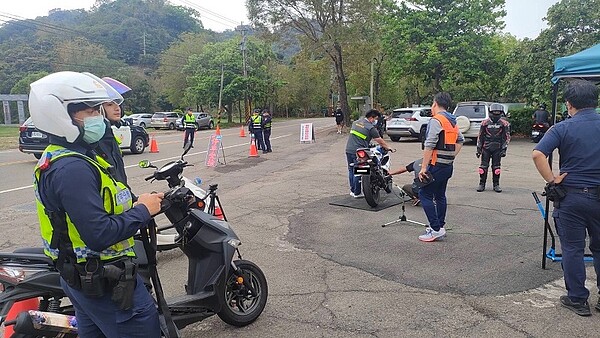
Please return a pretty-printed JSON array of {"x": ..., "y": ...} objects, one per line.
[{"x": 186, "y": 148}]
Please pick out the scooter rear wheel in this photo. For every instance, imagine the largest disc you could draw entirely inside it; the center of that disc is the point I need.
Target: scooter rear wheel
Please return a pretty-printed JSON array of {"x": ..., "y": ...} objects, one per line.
[{"x": 241, "y": 308}]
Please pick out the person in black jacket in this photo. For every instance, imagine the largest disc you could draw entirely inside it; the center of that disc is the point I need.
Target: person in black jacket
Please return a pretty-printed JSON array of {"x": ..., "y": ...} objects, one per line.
[
  {"x": 109, "y": 146},
  {"x": 339, "y": 119}
]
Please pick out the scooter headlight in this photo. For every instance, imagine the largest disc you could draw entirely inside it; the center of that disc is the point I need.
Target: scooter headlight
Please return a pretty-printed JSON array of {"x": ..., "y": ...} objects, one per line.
[{"x": 234, "y": 243}]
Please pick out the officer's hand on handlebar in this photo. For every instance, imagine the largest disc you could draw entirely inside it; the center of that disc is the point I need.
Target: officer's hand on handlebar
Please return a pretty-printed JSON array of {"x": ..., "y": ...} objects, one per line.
[{"x": 152, "y": 202}]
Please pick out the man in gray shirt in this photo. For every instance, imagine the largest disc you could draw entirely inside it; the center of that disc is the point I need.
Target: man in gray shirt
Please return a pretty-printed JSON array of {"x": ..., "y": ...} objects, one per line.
[
  {"x": 361, "y": 134},
  {"x": 442, "y": 144}
]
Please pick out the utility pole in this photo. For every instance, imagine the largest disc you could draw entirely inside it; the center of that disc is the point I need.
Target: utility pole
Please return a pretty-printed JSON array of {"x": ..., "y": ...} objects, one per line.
[
  {"x": 246, "y": 100},
  {"x": 372, "y": 79},
  {"x": 221, "y": 97}
]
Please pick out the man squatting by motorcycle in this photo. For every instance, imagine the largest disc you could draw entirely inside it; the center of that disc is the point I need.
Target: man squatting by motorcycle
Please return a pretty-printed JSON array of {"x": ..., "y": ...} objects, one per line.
[
  {"x": 494, "y": 136},
  {"x": 442, "y": 144},
  {"x": 87, "y": 218},
  {"x": 412, "y": 190},
  {"x": 362, "y": 132}
]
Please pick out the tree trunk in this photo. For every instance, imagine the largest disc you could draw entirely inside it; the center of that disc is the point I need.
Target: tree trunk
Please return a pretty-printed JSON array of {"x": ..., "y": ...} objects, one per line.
[{"x": 341, "y": 78}]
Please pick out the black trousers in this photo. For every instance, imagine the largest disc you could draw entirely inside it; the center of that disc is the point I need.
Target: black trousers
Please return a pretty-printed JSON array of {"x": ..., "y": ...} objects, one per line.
[
  {"x": 189, "y": 136},
  {"x": 494, "y": 155},
  {"x": 267, "y": 139}
]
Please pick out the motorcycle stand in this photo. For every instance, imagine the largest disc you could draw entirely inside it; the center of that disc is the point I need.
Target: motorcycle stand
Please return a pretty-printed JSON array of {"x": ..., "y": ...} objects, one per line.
[{"x": 402, "y": 217}]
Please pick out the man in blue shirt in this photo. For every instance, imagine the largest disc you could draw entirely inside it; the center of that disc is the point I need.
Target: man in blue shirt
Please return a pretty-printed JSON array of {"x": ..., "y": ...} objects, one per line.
[{"x": 576, "y": 190}]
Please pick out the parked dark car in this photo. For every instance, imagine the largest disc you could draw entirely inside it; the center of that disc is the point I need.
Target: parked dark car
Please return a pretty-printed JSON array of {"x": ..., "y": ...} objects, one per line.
[{"x": 34, "y": 141}]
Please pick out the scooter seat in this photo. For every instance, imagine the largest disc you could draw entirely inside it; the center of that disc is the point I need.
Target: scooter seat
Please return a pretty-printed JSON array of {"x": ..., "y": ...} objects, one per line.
[{"x": 27, "y": 257}]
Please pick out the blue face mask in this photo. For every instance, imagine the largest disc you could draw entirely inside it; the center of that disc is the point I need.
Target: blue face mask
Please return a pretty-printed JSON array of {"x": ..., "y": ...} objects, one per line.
[{"x": 93, "y": 129}]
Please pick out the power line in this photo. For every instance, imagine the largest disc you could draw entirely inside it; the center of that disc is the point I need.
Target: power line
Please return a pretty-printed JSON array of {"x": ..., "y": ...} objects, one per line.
[{"x": 203, "y": 10}]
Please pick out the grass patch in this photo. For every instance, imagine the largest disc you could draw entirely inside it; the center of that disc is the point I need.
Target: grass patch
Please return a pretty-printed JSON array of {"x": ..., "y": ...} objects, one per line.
[{"x": 9, "y": 137}]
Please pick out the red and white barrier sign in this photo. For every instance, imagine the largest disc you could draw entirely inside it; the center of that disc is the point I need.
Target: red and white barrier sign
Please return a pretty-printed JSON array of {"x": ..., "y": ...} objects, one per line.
[{"x": 307, "y": 133}]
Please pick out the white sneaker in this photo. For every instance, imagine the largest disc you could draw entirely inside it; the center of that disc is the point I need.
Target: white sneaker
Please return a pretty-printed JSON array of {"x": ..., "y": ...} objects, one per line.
[
  {"x": 357, "y": 196},
  {"x": 432, "y": 235}
]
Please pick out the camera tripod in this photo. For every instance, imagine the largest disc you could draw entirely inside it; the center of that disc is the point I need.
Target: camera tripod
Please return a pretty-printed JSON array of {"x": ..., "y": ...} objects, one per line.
[{"x": 402, "y": 217}]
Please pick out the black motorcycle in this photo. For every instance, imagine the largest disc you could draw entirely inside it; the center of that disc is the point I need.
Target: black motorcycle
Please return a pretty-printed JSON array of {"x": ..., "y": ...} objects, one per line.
[
  {"x": 373, "y": 165},
  {"x": 537, "y": 131},
  {"x": 235, "y": 290}
]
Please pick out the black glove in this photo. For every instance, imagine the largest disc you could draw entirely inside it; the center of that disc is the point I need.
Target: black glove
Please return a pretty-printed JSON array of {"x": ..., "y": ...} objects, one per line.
[
  {"x": 503, "y": 153},
  {"x": 478, "y": 154}
]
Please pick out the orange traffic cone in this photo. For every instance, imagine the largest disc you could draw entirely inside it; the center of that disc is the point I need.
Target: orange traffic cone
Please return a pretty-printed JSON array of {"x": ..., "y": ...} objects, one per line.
[
  {"x": 219, "y": 213},
  {"x": 242, "y": 132},
  {"x": 18, "y": 307},
  {"x": 253, "y": 151},
  {"x": 153, "y": 145},
  {"x": 218, "y": 131}
]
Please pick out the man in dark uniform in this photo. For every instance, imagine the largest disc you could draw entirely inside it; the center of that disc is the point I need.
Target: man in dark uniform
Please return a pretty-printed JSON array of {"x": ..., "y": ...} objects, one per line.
[
  {"x": 575, "y": 191},
  {"x": 266, "y": 125},
  {"x": 361, "y": 134},
  {"x": 109, "y": 145},
  {"x": 494, "y": 136},
  {"x": 257, "y": 131},
  {"x": 541, "y": 116},
  {"x": 190, "y": 125},
  {"x": 87, "y": 218}
]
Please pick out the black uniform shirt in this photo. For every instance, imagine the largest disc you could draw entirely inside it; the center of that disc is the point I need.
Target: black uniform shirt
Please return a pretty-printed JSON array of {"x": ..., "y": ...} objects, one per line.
[{"x": 576, "y": 140}]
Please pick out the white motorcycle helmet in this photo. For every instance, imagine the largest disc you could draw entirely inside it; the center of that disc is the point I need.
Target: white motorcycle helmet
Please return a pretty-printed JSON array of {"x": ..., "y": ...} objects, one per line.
[{"x": 51, "y": 95}]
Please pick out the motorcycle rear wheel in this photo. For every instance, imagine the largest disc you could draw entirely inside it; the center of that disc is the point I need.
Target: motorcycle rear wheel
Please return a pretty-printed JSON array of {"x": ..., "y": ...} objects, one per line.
[
  {"x": 370, "y": 190},
  {"x": 241, "y": 308}
]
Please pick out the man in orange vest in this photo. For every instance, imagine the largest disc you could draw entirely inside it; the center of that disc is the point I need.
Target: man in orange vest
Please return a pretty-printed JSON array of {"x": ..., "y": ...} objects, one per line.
[{"x": 442, "y": 144}]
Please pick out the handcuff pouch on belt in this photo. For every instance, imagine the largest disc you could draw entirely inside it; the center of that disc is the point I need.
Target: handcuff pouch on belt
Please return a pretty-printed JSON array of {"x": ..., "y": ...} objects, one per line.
[{"x": 555, "y": 193}]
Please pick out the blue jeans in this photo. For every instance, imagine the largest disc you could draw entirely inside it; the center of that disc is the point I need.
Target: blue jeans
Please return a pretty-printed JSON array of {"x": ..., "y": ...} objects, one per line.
[
  {"x": 101, "y": 317},
  {"x": 354, "y": 181},
  {"x": 577, "y": 214},
  {"x": 433, "y": 196}
]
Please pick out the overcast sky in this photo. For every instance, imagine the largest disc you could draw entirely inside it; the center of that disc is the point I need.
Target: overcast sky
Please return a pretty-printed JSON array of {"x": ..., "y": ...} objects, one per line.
[{"x": 524, "y": 17}]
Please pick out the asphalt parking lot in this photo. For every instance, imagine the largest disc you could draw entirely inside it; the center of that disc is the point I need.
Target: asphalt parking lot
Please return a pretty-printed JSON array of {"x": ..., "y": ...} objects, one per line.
[{"x": 334, "y": 271}]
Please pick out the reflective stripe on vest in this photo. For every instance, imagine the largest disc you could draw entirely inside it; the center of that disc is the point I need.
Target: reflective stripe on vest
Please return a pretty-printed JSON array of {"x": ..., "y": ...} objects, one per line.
[
  {"x": 358, "y": 134},
  {"x": 119, "y": 141},
  {"x": 116, "y": 196},
  {"x": 445, "y": 153},
  {"x": 256, "y": 122},
  {"x": 189, "y": 121}
]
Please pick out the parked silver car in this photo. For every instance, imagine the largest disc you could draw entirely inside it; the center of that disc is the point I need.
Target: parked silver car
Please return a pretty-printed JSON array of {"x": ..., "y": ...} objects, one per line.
[
  {"x": 165, "y": 120},
  {"x": 204, "y": 121},
  {"x": 408, "y": 122},
  {"x": 139, "y": 119},
  {"x": 470, "y": 114}
]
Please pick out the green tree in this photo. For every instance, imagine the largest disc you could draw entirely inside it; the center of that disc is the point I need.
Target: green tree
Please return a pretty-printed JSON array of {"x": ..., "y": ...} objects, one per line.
[
  {"x": 573, "y": 25},
  {"x": 22, "y": 86},
  {"x": 204, "y": 74},
  {"x": 327, "y": 25},
  {"x": 173, "y": 79},
  {"x": 446, "y": 42}
]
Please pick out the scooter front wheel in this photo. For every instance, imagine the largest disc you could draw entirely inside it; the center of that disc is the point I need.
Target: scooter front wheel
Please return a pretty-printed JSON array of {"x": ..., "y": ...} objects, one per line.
[{"x": 242, "y": 307}]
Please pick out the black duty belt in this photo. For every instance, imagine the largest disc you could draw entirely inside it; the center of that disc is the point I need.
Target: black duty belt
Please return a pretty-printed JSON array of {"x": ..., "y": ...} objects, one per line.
[{"x": 587, "y": 190}]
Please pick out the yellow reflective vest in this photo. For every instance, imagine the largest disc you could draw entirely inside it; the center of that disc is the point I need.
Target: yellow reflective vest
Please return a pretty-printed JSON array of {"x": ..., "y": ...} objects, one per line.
[{"x": 116, "y": 196}]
